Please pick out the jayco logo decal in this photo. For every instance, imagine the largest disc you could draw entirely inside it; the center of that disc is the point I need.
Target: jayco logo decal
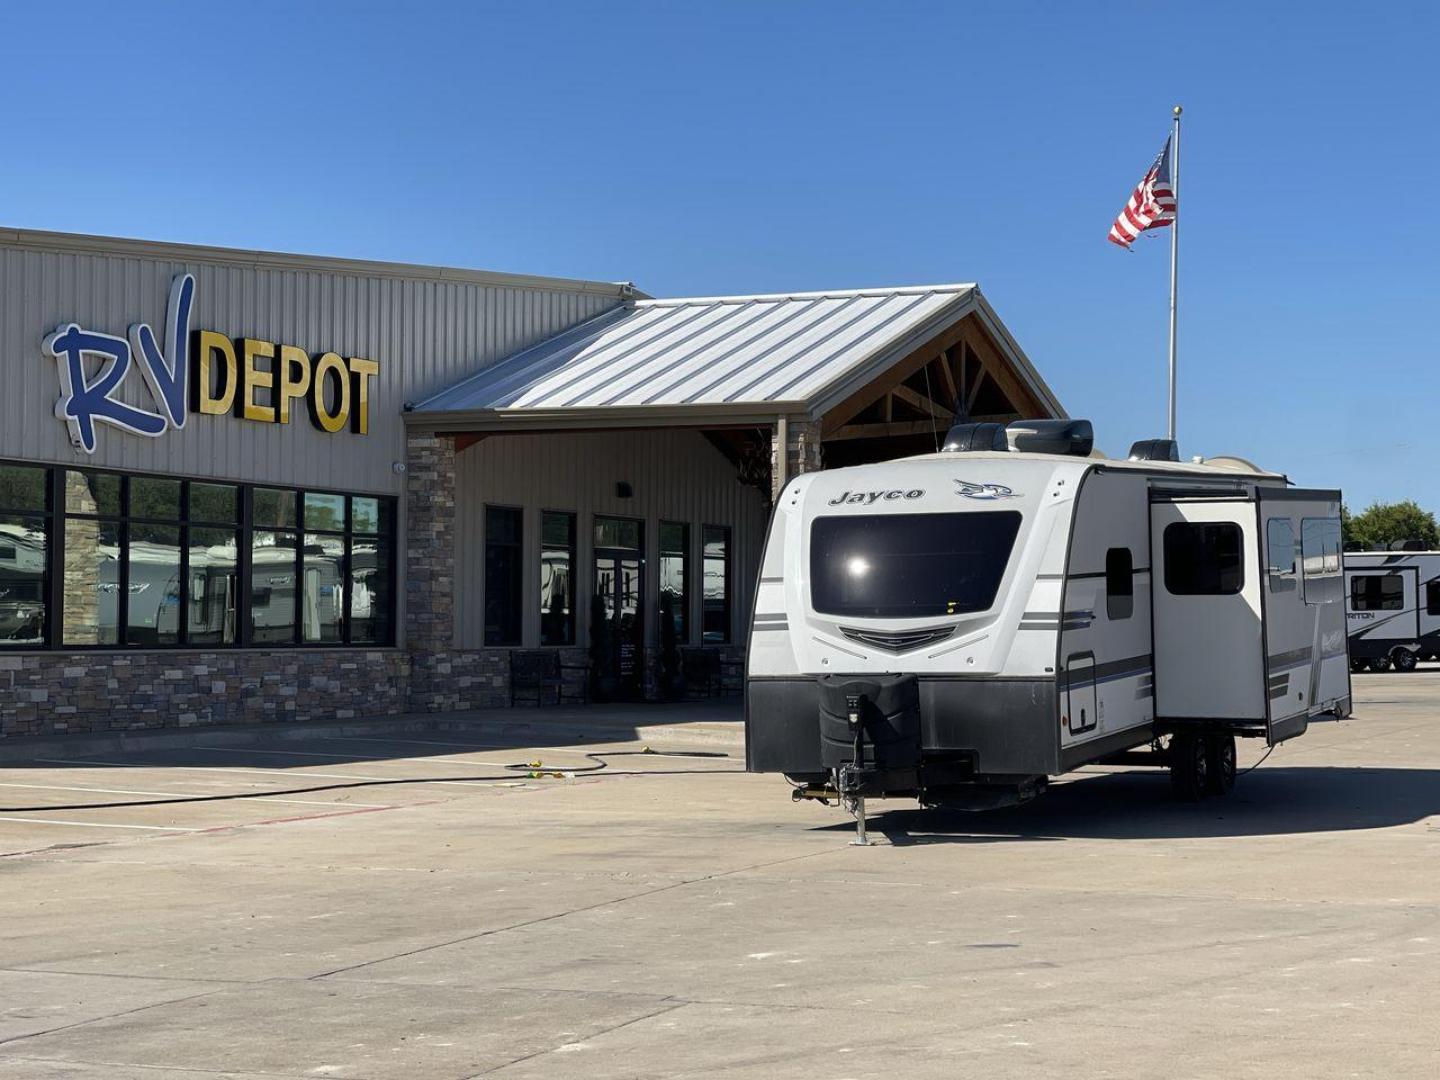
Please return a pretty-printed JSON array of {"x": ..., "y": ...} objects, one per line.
[
  {"x": 870, "y": 498},
  {"x": 200, "y": 371},
  {"x": 983, "y": 491}
]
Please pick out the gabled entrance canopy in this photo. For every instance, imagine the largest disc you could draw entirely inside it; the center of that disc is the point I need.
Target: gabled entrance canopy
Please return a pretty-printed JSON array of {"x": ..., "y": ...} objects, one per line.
[{"x": 867, "y": 364}]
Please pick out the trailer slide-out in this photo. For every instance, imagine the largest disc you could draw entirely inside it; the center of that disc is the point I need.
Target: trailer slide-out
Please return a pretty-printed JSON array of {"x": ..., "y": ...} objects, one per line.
[{"x": 960, "y": 626}]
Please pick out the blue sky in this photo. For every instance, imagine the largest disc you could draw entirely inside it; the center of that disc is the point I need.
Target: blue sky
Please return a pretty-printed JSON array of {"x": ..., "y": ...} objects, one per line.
[{"x": 707, "y": 148}]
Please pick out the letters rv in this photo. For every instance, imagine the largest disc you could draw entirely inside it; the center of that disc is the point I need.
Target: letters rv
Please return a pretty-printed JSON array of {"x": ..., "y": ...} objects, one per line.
[
  {"x": 870, "y": 498},
  {"x": 200, "y": 371}
]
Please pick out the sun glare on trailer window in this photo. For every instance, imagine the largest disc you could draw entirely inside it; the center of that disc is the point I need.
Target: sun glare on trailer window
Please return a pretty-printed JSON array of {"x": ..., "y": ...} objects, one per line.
[{"x": 909, "y": 565}]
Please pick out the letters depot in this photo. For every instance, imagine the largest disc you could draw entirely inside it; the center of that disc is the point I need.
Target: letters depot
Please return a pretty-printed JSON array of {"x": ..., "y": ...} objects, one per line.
[{"x": 201, "y": 371}]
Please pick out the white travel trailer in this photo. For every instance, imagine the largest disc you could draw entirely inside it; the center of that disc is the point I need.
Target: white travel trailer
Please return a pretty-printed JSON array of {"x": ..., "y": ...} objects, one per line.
[
  {"x": 1392, "y": 608},
  {"x": 960, "y": 626}
]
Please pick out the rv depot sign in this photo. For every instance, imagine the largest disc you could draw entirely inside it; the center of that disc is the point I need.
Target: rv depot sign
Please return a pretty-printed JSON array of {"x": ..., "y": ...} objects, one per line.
[{"x": 201, "y": 371}]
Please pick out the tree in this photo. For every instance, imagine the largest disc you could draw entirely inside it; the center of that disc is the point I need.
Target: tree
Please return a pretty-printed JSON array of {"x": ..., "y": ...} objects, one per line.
[{"x": 1381, "y": 524}]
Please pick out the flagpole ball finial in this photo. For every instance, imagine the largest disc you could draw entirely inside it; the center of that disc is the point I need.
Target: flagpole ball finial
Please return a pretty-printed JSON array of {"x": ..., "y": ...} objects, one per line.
[{"x": 1178, "y": 110}]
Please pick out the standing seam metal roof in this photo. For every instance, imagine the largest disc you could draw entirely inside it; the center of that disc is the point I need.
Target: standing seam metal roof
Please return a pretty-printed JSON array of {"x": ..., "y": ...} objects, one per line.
[{"x": 722, "y": 351}]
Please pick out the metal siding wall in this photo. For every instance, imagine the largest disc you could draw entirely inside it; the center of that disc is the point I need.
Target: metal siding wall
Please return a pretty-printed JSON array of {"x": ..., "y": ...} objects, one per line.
[
  {"x": 424, "y": 333},
  {"x": 677, "y": 476}
]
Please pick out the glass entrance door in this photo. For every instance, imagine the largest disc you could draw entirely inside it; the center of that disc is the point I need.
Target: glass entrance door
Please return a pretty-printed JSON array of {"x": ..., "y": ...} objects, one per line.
[{"x": 617, "y": 630}]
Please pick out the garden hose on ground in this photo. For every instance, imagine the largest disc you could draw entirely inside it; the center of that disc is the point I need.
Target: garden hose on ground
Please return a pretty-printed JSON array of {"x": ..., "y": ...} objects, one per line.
[{"x": 533, "y": 770}]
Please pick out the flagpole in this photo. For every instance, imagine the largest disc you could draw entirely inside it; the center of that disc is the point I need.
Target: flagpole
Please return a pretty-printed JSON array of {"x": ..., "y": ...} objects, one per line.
[{"x": 1174, "y": 255}]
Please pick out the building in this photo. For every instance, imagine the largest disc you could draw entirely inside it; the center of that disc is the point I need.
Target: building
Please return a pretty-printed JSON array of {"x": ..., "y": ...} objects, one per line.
[{"x": 239, "y": 486}]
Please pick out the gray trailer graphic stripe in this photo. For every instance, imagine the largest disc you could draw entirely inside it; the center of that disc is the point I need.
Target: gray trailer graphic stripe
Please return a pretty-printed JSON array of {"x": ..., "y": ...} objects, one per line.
[
  {"x": 1129, "y": 667},
  {"x": 1293, "y": 658}
]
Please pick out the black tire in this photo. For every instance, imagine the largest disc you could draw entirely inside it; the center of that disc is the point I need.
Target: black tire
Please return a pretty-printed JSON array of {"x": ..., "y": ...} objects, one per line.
[
  {"x": 1379, "y": 664},
  {"x": 1357, "y": 666},
  {"x": 1221, "y": 751},
  {"x": 1189, "y": 766},
  {"x": 1404, "y": 660}
]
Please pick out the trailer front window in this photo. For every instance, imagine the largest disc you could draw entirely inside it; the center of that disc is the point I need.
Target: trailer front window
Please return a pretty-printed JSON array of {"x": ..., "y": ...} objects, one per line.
[{"x": 895, "y": 566}]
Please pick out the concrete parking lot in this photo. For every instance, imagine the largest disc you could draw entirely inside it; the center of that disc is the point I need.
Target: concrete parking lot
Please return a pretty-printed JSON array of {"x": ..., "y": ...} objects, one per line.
[{"x": 399, "y": 905}]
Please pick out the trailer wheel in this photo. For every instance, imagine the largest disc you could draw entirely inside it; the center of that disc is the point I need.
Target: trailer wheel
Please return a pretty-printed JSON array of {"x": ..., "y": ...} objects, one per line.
[
  {"x": 1379, "y": 664},
  {"x": 1221, "y": 751},
  {"x": 1404, "y": 660},
  {"x": 1189, "y": 766}
]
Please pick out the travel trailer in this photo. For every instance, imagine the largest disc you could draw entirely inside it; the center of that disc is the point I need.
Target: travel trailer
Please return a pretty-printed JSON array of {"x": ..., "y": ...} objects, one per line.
[
  {"x": 959, "y": 627},
  {"x": 1392, "y": 608}
]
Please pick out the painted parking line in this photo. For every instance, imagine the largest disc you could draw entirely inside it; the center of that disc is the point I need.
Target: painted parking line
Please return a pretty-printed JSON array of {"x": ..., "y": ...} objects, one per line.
[
  {"x": 102, "y": 824},
  {"x": 216, "y": 797}
]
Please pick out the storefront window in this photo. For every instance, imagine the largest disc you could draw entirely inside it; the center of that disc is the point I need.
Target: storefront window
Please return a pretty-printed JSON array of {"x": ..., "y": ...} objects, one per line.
[
  {"x": 716, "y": 568},
  {"x": 214, "y": 560},
  {"x": 674, "y": 581},
  {"x": 24, "y": 556},
  {"x": 557, "y": 578},
  {"x": 156, "y": 562},
  {"x": 272, "y": 587},
  {"x": 503, "y": 569}
]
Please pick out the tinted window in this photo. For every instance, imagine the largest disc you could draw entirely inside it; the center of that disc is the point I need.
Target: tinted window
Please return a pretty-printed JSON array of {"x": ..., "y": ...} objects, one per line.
[
  {"x": 557, "y": 578},
  {"x": 1377, "y": 592},
  {"x": 1280, "y": 553},
  {"x": 1204, "y": 558},
  {"x": 1320, "y": 553},
  {"x": 909, "y": 565},
  {"x": 715, "y": 569},
  {"x": 1432, "y": 598},
  {"x": 503, "y": 565},
  {"x": 674, "y": 581},
  {"x": 1119, "y": 583}
]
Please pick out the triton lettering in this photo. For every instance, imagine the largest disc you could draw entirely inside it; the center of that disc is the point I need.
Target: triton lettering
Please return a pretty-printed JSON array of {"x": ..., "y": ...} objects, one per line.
[{"x": 200, "y": 371}]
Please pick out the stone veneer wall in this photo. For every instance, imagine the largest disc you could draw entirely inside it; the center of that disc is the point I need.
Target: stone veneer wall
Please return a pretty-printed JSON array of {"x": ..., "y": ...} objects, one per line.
[{"x": 55, "y": 693}]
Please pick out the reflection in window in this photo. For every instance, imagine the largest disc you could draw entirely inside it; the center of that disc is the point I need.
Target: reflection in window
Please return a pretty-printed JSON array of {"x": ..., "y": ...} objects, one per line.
[
  {"x": 23, "y": 580},
  {"x": 324, "y": 511},
  {"x": 1280, "y": 553},
  {"x": 370, "y": 603},
  {"x": 213, "y": 586},
  {"x": 153, "y": 499},
  {"x": 1320, "y": 558},
  {"x": 502, "y": 575},
  {"x": 322, "y": 603},
  {"x": 715, "y": 566},
  {"x": 557, "y": 578},
  {"x": 272, "y": 587},
  {"x": 166, "y": 573},
  {"x": 675, "y": 578},
  {"x": 152, "y": 590}
]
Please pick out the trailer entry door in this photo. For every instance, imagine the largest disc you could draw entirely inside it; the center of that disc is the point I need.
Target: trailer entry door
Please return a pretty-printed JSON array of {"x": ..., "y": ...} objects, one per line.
[{"x": 1209, "y": 650}]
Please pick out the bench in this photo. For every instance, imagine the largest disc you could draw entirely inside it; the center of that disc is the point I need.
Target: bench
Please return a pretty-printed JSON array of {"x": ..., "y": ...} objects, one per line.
[{"x": 533, "y": 672}]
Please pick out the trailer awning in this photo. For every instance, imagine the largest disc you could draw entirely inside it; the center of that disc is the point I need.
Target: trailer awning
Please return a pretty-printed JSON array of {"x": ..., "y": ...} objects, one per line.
[{"x": 718, "y": 360}]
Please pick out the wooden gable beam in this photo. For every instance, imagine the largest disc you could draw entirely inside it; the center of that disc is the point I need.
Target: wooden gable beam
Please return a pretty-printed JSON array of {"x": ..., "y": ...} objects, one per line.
[
  {"x": 999, "y": 369},
  {"x": 837, "y": 417},
  {"x": 921, "y": 402}
]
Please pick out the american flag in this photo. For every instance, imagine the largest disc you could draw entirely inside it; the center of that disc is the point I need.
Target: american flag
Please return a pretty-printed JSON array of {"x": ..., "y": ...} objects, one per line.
[{"x": 1151, "y": 205}]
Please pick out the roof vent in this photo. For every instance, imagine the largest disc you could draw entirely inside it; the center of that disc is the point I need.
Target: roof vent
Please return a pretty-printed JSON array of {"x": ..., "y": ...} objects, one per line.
[
  {"x": 1074, "y": 437},
  {"x": 968, "y": 438},
  {"x": 1155, "y": 450}
]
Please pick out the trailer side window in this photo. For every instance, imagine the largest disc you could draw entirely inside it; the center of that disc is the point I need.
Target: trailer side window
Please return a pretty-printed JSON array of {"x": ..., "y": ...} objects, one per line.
[
  {"x": 1432, "y": 598},
  {"x": 1204, "y": 558},
  {"x": 1377, "y": 592},
  {"x": 1280, "y": 552},
  {"x": 1320, "y": 558},
  {"x": 1119, "y": 583}
]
